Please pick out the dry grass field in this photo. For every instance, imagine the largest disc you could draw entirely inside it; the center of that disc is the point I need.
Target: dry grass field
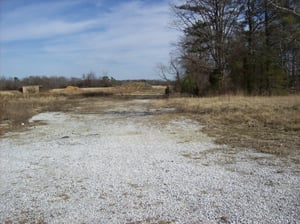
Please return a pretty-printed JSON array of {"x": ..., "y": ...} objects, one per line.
[
  {"x": 267, "y": 124},
  {"x": 15, "y": 110},
  {"x": 149, "y": 160},
  {"x": 129, "y": 89}
]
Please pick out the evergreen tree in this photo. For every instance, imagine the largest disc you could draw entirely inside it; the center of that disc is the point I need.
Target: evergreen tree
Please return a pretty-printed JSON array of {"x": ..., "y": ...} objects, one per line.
[{"x": 246, "y": 45}]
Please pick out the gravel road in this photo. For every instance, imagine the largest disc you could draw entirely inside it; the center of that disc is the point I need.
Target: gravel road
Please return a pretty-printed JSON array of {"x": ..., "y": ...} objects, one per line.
[{"x": 129, "y": 163}]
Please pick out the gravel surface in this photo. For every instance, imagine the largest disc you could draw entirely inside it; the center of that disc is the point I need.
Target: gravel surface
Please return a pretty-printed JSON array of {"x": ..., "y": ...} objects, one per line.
[{"x": 125, "y": 165}]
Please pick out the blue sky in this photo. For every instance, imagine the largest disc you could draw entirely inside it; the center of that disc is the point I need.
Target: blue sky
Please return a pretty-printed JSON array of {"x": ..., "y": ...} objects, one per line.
[{"x": 124, "y": 39}]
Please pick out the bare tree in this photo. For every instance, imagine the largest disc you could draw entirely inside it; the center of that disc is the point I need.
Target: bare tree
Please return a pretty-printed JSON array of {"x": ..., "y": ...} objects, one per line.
[
  {"x": 209, "y": 24},
  {"x": 294, "y": 10},
  {"x": 171, "y": 71},
  {"x": 252, "y": 45}
]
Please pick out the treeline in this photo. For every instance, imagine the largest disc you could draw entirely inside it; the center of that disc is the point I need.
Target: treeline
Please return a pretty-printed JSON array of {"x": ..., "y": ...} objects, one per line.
[
  {"x": 54, "y": 82},
  {"x": 250, "y": 46}
]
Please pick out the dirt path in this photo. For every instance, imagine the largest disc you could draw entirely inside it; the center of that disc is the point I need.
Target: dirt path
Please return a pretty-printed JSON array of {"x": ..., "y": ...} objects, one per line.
[{"x": 125, "y": 162}]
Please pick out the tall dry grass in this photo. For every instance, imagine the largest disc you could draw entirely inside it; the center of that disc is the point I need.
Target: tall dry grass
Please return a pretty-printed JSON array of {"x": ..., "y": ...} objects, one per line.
[
  {"x": 268, "y": 124},
  {"x": 274, "y": 112},
  {"x": 16, "y": 109}
]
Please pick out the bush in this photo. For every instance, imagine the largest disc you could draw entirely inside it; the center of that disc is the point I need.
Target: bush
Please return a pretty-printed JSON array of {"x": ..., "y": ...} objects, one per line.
[{"x": 189, "y": 85}]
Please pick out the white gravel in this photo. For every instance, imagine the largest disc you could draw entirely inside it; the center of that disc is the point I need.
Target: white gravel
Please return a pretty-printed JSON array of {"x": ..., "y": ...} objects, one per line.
[{"x": 126, "y": 168}]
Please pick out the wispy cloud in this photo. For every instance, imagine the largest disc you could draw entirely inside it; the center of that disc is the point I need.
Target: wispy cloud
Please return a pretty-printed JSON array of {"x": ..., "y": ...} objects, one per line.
[
  {"x": 43, "y": 19},
  {"x": 44, "y": 29},
  {"x": 127, "y": 39}
]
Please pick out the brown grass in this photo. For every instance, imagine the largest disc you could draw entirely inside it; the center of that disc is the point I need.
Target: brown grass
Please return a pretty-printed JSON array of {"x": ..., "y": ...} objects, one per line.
[
  {"x": 15, "y": 110},
  {"x": 129, "y": 89},
  {"x": 268, "y": 124}
]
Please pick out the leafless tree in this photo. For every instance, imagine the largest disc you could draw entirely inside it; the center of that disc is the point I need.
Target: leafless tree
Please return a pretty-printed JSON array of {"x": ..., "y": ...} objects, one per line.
[
  {"x": 294, "y": 10},
  {"x": 209, "y": 25}
]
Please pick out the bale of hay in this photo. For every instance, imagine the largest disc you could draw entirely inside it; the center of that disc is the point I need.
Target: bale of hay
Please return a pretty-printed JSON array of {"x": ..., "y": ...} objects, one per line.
[{"x": 71, "y": 88}]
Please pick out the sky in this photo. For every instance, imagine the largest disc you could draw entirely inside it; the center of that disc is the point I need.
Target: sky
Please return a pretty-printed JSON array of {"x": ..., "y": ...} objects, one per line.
[{"x": 123, "y": 39}]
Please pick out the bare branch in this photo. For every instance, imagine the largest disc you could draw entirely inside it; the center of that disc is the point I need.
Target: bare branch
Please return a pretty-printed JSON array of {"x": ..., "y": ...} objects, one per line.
[{"x": 288, "y": 10}]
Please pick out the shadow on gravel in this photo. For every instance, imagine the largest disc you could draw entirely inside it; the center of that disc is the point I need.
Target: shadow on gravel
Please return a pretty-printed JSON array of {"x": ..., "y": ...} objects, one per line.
[
  {"x": 144, "y": 113},
  {"x": 131, "y": 113}
]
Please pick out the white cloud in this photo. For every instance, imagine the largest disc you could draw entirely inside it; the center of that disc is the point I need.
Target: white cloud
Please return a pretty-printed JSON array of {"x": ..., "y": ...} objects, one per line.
[
  {"x": 43, "y": 19},
  {"x": 44, "y": 29},
  {"x": 126, "y": 40}
]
